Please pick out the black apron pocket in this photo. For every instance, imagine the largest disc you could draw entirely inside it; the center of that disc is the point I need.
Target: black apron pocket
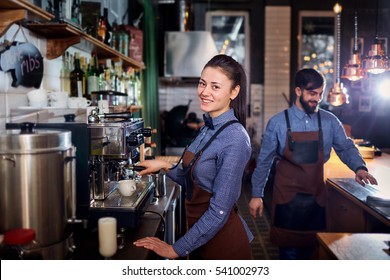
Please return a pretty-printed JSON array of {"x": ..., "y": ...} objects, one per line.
[
  {"x": 305, "y": 152},
  {"x": 301, "y": 213}
]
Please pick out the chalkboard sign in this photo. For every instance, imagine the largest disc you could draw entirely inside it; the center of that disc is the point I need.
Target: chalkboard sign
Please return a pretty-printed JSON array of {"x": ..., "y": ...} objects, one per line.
[{"x": 25, "y": 63}]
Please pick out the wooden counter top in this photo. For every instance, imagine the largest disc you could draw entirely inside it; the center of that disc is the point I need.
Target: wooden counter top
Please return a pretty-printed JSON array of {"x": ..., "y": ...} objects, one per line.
[
  {"x": 337, "y": 174},
  {"x": 347, "y": 209},
  {"x": 357, "y": 246},
  {"x": 379, "y": 166}
]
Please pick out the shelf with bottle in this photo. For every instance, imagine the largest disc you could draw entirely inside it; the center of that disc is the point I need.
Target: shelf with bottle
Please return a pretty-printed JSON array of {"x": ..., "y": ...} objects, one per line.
[
  {"x": 13, "y": 11},
  {"x": 60, "y": 36}
]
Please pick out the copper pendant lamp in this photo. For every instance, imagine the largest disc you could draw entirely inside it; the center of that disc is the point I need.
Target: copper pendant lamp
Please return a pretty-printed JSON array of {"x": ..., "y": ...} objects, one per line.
[
  {"x": 338, "y": 94},
  {"x": 376, "y": 61},
  {"x": 353, "y": 71}
]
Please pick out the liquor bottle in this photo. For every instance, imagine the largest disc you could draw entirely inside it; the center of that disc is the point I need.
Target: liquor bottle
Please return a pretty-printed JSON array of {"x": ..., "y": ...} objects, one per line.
[
  {"x": 119, "y": 79},
  {"x": 109, "y": 30},
  {"x": 101, "y": 30},
  {"x": 65, "y": 71},
  {"x": 93, "y": 76},
  {"x": 138, "y": 90},
  {"x": 76, "y": 79},
  {"x": 84, "y": 67},
  {"x": 108, "y": 77},
  {"x": 131, "y": 87}
]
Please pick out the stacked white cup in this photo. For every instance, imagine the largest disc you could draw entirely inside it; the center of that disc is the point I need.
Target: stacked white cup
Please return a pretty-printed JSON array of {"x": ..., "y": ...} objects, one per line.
[
  {"x": 58, "y": 99},
  {"x": 37, "y": 98}
]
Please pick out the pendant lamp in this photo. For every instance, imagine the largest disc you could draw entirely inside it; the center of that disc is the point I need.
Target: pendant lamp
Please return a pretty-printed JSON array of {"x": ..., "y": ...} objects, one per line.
[
  {"x": 353, "y": 71},
  {"x": 376, "y": 61},
  {"x": 338, "y": 94}
]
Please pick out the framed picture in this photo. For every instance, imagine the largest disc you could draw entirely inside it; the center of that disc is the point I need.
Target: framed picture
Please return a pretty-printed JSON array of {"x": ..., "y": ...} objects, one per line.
[
  {"x": 360, "y": 45},
  {"x": 365, "y": 103}
]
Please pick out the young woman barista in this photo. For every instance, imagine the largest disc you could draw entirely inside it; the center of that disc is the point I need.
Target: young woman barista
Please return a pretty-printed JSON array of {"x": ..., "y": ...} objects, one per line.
[{"x": 212, "y": 171}]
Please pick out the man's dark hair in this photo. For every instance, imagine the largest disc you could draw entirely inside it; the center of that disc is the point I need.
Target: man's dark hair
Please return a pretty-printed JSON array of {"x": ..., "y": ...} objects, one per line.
[{"x": 309, "y": 79}]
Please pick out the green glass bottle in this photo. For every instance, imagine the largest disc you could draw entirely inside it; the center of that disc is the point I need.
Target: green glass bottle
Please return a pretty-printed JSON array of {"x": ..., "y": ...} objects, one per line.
[
  {"x": 77, "y": 88},
  {"x": 93, "y": 76}
]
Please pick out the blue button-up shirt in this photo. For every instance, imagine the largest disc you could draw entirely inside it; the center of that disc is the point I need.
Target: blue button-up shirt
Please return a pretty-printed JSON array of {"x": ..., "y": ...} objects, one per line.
[
  {"x": 274, "y": 141},
  {"x": 219, "y": 171}
]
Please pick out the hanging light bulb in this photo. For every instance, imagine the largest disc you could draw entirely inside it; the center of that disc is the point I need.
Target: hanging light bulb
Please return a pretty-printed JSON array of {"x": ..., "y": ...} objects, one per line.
[
  {"x": 353, "y": 70},
  {"x": 376, "y": 61},
  {"x": 338, "y": 94}
]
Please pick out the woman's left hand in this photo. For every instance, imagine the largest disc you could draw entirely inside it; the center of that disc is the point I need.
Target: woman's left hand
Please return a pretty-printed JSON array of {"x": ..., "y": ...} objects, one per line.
[{"x": 158, "y": 246}]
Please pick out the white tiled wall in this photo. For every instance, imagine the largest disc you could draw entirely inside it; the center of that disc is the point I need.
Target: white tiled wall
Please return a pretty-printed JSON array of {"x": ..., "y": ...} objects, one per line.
[
  {"x": 176, "y": 94},
  {"x": 277, "y": 60}
]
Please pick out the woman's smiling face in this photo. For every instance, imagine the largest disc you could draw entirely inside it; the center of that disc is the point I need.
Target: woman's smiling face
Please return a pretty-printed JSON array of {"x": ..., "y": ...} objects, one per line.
[{"x": 215, "y": 91}]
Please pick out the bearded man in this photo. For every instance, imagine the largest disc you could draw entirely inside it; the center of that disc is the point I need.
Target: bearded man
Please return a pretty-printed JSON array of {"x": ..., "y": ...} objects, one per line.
[{"x": 300, "y": 139}]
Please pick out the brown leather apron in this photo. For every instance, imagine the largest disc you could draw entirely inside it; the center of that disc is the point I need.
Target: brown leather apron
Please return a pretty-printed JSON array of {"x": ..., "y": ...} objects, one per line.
[
  {"x": 231, "y": 242},
  {"x": 298, "y": 204}
]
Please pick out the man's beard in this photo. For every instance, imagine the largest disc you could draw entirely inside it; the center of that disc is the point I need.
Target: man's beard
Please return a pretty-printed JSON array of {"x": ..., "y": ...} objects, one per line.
[{"x": 308, "y": 109}]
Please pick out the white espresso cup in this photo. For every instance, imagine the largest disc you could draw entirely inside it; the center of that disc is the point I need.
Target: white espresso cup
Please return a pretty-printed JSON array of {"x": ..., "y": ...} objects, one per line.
[
  {"x": 59, "y": 99},
  {"x": 37, "y": 98},
  {"x": 107, "y": 236},
  {"x": 78, "y": 102},
  {"x": 127, "y": 187}
]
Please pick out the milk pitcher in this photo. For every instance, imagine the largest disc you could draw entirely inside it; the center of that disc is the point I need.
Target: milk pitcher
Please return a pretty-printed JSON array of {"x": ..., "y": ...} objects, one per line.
[{"x": 160, "y": 186}]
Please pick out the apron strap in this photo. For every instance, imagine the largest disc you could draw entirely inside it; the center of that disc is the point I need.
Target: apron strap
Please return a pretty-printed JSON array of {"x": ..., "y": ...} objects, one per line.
[
  {"x": 321, "y": 140},
  {"x": 289, "y": 137},
  {"x": 197, "y": 155},
  {"x": 216, "y": 134}
]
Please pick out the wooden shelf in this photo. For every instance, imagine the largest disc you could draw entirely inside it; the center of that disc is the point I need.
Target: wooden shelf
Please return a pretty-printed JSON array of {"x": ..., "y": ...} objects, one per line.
[
  {"x": 13, "y": 11},
  {"x": 60, "y": 36}
]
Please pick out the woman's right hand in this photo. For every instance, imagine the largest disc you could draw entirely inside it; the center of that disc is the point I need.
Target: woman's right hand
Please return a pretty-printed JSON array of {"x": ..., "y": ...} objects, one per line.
[{"x": 153, "y": 166}]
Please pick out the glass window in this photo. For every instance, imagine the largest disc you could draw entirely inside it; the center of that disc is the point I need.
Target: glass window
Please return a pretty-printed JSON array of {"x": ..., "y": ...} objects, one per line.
[
  {"x": 230, "y": 31},
  {"x": 316, "y": 48}
]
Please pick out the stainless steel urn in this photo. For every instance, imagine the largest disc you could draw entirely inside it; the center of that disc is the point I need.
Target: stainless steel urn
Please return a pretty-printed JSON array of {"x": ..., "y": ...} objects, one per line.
[{"x": 36, "y": 176}]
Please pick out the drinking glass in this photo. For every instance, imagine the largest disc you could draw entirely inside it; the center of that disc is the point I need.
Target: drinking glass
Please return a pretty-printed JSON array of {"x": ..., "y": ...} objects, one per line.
[{"x": 107, "y": 237}]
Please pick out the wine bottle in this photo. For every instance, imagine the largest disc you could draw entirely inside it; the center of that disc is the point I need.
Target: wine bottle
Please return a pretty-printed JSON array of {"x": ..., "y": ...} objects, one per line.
[
  {"x": 76, "y": 78},
  {"x": 108, "y": 37},
  {"x": 93, "y": 76}
]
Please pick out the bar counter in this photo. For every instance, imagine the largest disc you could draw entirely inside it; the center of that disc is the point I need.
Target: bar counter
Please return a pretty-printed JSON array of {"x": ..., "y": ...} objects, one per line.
[
  {"x": 347, "y": 208},
  {"x": 152, "y": 223},
  {"x": 379, "y": 166},
  {"x": 347, "y": 246}
]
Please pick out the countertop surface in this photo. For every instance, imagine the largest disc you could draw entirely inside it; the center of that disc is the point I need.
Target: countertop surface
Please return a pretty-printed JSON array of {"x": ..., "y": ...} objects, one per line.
[
  {"x": 342, "y": 178},
  {"x": 379, "y": 166},
  {"x": 351, "y": 187},
  {"x": 348, "y": 246},
  {"x": 86, "y": 240}
]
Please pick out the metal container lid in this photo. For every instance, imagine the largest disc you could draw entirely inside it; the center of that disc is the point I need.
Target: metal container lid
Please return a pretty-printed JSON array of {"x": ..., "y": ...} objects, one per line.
[
  {"x": 108, "y": 92},
  {"x": 28, "y": 140}
]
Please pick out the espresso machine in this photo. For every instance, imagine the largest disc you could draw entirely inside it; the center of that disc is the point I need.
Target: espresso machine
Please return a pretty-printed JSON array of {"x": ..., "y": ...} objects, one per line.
[
  {"x": 108, "y": 147},
  {"x": 116, "y": 142}
]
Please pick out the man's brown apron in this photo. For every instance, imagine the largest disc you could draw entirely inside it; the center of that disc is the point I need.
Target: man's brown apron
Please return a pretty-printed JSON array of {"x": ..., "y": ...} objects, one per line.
[
  {"x": 298, "y": 204},
  {"x": 231, "y": 242}
]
